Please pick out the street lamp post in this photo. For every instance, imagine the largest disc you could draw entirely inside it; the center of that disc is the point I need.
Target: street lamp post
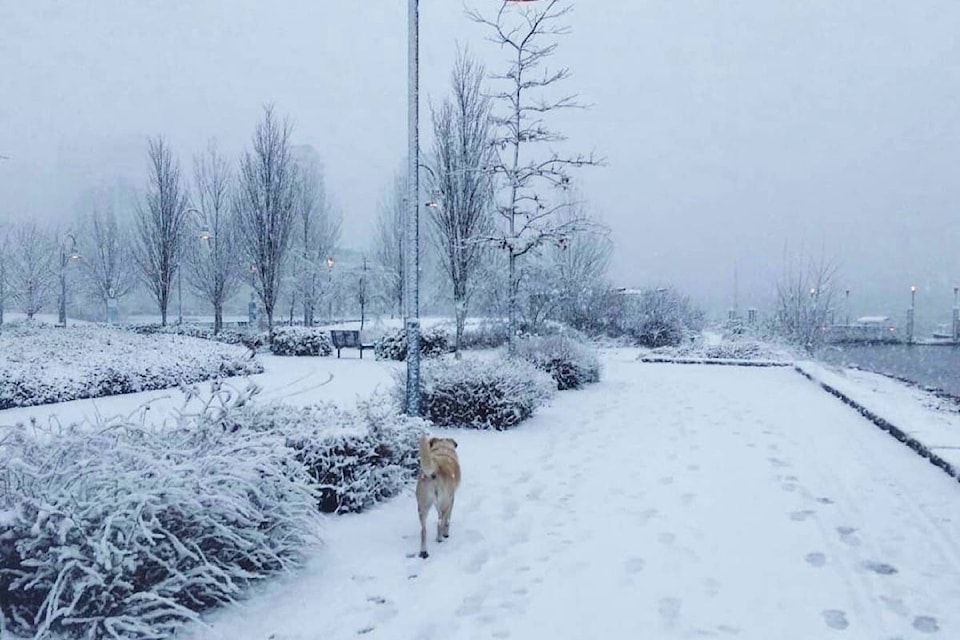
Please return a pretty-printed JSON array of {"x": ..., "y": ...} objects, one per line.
[
  {"x": 411, "y": 251},
  {"x": 411, "y": 244},
  {"x": 65, "y": 258},
  {"x": 911, "y": 313},
  {"x": 956, "y": 316}
]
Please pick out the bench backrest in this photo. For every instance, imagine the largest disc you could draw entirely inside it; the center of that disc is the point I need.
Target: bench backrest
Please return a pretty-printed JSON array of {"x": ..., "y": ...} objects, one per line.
[{"x": 345, "y": 338}]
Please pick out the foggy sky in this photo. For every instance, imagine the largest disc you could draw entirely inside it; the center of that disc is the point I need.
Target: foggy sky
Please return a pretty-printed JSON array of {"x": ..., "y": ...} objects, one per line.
[{"x": 730, "y": 128}]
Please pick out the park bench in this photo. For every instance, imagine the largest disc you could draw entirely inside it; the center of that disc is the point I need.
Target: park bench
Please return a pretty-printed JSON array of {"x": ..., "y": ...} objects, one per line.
[{"x": 348, "y": 339}]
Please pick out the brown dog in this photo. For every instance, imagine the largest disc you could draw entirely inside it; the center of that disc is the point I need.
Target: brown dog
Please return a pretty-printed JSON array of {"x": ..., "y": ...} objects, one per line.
[{"x": 436, "y": 485}]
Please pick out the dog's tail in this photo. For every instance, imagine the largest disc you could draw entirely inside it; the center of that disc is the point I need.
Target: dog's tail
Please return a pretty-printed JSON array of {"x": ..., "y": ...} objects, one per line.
[{"x": 427, "y": 464}]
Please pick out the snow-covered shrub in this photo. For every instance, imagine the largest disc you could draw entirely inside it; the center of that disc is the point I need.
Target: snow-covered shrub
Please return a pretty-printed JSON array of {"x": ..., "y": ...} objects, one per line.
[
  {"x": 571, "y": 363},
  {"x": 248, "y": 338},
  {"x": 738, "y": 349},
  {"x": 356, "y": 458},
  {"x": 43, "y": 364},
  {"x": 434, "y": 342},
  {"x": 484, "y": 336},
  {"x": 654, "y": 318},
  {"x": 480, "y": 394},
  {"x": 127, "y": 532},
  {"x": 300, "y": 341}
]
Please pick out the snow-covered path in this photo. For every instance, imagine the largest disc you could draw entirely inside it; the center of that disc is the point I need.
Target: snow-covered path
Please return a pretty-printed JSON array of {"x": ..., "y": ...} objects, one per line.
[{"x": 665, "y": 502}]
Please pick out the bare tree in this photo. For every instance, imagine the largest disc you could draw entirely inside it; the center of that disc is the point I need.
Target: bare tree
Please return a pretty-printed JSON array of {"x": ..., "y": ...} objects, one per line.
[
  {"x": 363, "y": 289},
  {"x": 213, "y": 267},
  {"x": 462, "y": 184},
  {"x": 265, "y": 208},
  {"x": 388, "y": 244},
  {"x": 580, "y": 268},
  {"x": 32, "y": 270},
  {"x": 161, "y": 218},
  {"x": 108, "y": 262},
  {"x": 526, "y": 175},
  {"x": 317, "y": 234},
  {"x": 805, "y": 296},
  {"x": 4, "y": 251}
]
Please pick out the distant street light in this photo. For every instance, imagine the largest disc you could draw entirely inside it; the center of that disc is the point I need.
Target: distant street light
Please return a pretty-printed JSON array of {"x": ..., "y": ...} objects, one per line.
[
  {"x": 911, "y": 313},
  {"x": 66, "y": 257},
  {"x": 204, "y": 235}
]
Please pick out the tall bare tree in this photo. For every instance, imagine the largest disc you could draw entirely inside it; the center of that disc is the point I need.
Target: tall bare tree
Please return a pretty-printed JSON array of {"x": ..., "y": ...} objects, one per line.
[
  {"x": 388, "y": 243},
  {"x": 265, "y": 208},
  {"x": 529, "y": 176},
  {"x": 4, "y": 250},
  {"x": 161, "y": 221},
  {"x": 108, "y": 263},
  {"x": 213, "y": 266},
  {"x": 32, "y": 269},
  {"x": 316, "y": 236},
  {"x": 462, "y": 183},
  {"x": 805, "y": 296}
]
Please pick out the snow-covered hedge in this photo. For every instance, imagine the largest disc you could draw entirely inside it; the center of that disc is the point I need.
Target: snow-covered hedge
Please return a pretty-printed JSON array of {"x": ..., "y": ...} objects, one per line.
[
  {"x": 480, "y": 394},
  {"x": 434, "y": 342},
  {"x": 300, "y": 341},
  {"x": 247, "y": 338},
  {"x": 129, "y": 532},
  {"x": 42, "y": 364},
  {"x": 571, "y": 363},
  {"x": 356, "y": 458},
  {"x": 743, "y": 349}
]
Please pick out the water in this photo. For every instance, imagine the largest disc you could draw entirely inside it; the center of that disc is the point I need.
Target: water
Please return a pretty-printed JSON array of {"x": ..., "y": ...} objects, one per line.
[{"x": 926, "y": 365}]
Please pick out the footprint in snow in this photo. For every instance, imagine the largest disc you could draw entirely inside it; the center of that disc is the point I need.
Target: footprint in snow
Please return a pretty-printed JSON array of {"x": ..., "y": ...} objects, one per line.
[
  {"x": 669, "y": 610},
  {"x": 926, "y": 624},
  {"x": 881, "y": 568},
  {"x": 778, "y": 463},
  {"x": 800, "y": 516},
  {"x": 848, "y": 536},
  {"x": 634, "y": 565},
  {"x": 816, "y": 559},
  {"x": 835, "y": 619}
]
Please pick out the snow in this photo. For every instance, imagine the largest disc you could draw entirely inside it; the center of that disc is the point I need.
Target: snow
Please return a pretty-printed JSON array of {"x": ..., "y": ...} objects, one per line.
[
  {"x": 922, "y": 415},
  {"x": 666, "y": 501}
]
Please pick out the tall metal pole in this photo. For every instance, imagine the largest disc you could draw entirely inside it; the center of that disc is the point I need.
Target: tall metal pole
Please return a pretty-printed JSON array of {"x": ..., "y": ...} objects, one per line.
[{"x": 411, "y": 253}]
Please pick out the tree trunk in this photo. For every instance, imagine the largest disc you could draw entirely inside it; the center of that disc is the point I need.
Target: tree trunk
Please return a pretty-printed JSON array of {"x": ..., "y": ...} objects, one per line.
[
  {"x": 217, "y": 318},
  {"x": 512, "y": 306}
]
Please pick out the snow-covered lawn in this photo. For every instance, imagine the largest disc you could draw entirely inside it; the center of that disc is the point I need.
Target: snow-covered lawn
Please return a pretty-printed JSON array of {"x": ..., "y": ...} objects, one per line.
[{"x": 666, "y": 501}]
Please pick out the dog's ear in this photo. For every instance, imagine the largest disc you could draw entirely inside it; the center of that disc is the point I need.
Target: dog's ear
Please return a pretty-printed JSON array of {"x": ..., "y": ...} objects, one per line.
[
  {"x": 433, "y": 441},
  {"x": 453, "y": 441}
]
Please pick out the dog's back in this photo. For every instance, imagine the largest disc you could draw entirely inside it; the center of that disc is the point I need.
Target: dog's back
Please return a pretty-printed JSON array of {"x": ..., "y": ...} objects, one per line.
[{"x": 437, "y": 484}]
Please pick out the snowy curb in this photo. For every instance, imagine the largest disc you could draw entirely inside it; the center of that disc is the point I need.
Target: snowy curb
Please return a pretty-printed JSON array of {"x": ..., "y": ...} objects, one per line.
[
  {"x": 717, "y": 361},
  {"x": 898, "y": 433}
]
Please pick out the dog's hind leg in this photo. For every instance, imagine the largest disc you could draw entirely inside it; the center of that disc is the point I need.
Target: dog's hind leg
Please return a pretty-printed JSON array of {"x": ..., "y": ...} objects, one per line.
[
  {"x": 444, "y": 524},
  {"x": 423, "y": 510}
]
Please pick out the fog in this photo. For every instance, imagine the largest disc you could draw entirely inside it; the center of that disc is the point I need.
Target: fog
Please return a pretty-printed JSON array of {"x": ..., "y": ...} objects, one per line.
[{"x": 731, "y": 130}]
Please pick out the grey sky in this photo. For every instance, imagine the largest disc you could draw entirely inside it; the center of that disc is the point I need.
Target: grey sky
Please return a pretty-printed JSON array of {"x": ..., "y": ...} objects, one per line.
[{"x": 729, "y": 128}]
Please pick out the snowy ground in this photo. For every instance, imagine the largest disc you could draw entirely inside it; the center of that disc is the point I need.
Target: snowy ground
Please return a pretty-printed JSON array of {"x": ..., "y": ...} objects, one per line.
[{"x": 665, "y": 502}]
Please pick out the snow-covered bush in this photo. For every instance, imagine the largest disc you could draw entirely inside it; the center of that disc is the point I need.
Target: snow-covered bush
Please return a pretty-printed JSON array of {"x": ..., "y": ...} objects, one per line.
[
  {"x": 356, "y": 458},
  {"x": 571, "y": 363},
  {"x": 738, "y": 349},
  {"x": 44, "y": 364},
  {"x": 484, "y": 336},
  {"x": 480, "y": 394},
  {"x": 653, "y": 318},
  {"x": 251, "y": 339},
  {"x": 434, "y": 342},
  {"x": 127, "y": 532},
  {"x": 300, "y": 341}
]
